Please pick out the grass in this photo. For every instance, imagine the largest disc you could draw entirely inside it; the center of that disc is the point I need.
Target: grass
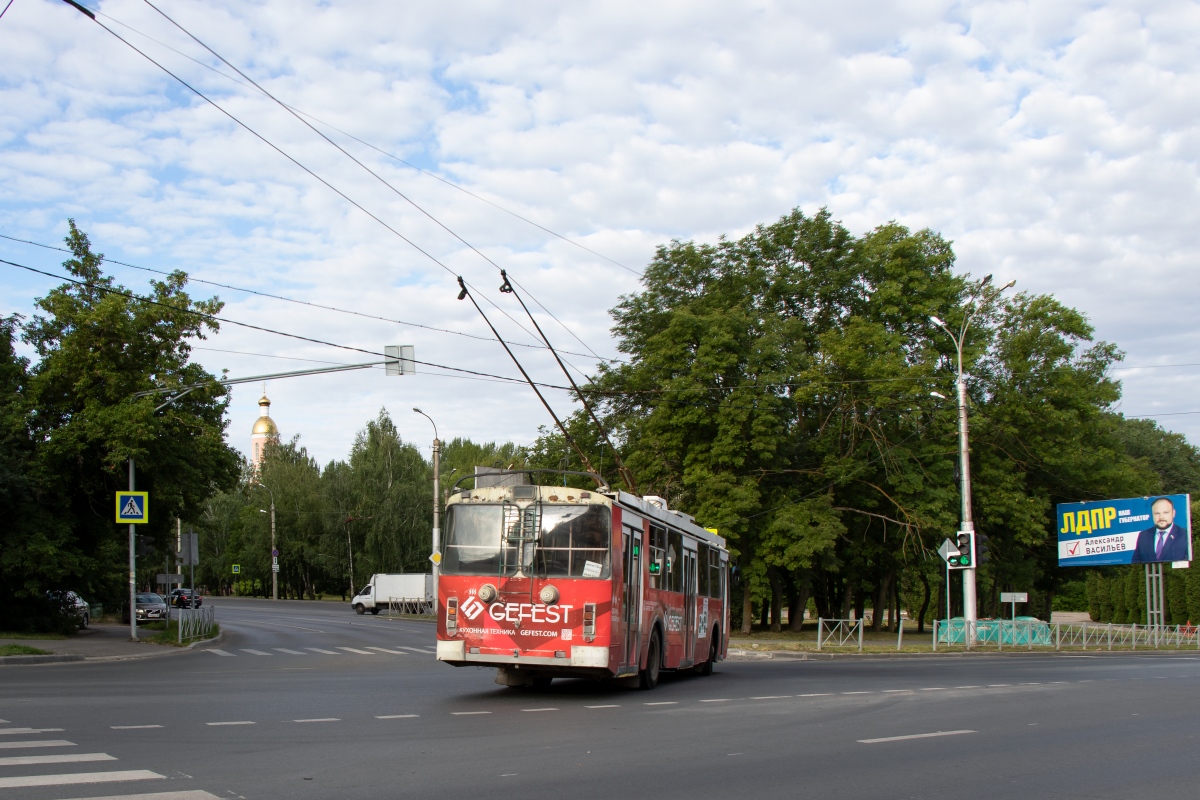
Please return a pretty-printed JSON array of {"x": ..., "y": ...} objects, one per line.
[
  {"x": 21, "y": 650},
  {"x": 169, "y": 633},
  {"x": 23, "y": 635}
]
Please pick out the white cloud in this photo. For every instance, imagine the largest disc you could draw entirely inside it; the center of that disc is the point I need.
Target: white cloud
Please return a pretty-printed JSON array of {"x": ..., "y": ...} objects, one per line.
[{"x": 1054, "y": 143}]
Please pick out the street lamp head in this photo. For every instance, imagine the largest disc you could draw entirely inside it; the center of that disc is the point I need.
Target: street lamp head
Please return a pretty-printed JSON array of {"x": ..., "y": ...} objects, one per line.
[
  {"x": 986, "y": 279},
  {"x": 419, "y": 411},
  {"x": 938, "y": 395},
  {"x": 1009, "y": 285},
  {"x": 937, "y": 320},
  {"x": 262, "y": 511}
]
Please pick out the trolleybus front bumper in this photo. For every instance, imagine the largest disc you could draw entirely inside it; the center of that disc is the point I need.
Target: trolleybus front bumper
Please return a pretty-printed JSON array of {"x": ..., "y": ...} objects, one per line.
[{"x": 580, "y": 656}]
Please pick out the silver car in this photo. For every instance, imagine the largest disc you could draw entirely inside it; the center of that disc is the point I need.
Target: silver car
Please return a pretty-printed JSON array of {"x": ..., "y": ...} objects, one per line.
[{"x": 151, "y": 606}]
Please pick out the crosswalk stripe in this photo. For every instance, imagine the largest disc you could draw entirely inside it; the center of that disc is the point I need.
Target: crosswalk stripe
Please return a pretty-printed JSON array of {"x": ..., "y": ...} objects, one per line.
[
  {"x": 219, "y": 652},
  {"x": 414, "y": 649},
  {"x": 26, "y": 731},
  {"x": 355, "y": 650},
  {"x": 27, "y": 781},
  {"x": 290, "y": 652},
  {"x": 385, "y": 650},
  {"x": 57, "y": 758},
  {"x": 326, "y": 652},
  {"x": 254, "y": 652},
  {"x": 194, "y": 794},
  {"x": 36, "y": 743}
]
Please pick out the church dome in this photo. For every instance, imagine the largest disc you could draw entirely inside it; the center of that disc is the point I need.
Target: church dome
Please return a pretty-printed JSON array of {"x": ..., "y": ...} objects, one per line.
[{"x": 265, "y": 426}]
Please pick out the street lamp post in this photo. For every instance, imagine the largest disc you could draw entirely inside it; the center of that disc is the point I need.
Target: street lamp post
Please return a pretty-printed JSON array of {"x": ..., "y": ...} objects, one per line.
[
  {"x": 437, "y": 507},
  {"x": 970, "y": 604},
  {"x": 274, "y": 558}
]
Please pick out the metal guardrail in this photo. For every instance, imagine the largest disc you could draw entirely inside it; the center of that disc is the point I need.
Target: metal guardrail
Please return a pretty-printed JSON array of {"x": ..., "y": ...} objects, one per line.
[
  {"x": 1059, "y": 635},
  {"x": 400, "y": 605},
  {"x": 839, "y": 633},
  {"x": 196, "y": 623}
]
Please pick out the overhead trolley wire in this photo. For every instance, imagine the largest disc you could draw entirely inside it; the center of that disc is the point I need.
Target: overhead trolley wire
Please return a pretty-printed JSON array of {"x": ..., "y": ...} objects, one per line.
[
  {"x": 343, "y": 151},
  {"x": 92, "y": 16},
  {"x": 321, "y": 306}
]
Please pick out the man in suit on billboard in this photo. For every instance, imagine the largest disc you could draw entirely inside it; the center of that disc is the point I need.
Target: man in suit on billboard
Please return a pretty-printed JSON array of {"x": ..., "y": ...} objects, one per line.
[{"x": 1166, "y": 541}]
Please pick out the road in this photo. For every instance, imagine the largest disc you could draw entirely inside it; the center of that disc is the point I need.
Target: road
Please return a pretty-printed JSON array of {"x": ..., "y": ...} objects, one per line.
[{"x": 307, "y": 700}]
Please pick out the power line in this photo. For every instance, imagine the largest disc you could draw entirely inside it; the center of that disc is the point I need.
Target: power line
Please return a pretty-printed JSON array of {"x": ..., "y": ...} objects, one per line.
[
  {"x": 285, "y": 299},
  {"x": 379, "y": 150},
  {"x": 7, "y": 7},
  {"x": 334, "y": 144}
]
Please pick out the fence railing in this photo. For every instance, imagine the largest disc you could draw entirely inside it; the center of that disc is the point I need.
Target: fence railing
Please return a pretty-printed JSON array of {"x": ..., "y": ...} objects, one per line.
[
  {"x": 1028, "y": 634},
  {"x": 839, "y": 633},
  {"x": 401, "y": 605},
  {"x": 196, "y": 623}
]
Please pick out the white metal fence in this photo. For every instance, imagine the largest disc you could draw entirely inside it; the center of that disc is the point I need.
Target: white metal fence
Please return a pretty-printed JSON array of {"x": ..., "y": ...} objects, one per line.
[
  {"x": 196, "y": 623},
  {"x": 839, "y": 633}
]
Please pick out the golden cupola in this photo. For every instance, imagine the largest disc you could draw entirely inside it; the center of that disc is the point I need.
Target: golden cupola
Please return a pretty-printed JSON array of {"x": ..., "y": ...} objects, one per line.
[{"x": 264, "y": 430}]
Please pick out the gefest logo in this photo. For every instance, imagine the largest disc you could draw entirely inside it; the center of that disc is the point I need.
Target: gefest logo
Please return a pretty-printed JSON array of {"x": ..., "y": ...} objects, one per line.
[
  {"x": 472, "y": 608},
  {"x": 533, "y": 612}
]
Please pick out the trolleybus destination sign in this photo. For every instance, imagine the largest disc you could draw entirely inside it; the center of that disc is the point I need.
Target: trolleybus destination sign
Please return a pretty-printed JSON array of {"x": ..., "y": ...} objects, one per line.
[{"x": 1132, "y": 530}]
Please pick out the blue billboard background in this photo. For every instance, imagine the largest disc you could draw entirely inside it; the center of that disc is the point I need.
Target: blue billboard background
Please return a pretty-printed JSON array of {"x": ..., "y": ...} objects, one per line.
[{"x": 1133, "y": 530}]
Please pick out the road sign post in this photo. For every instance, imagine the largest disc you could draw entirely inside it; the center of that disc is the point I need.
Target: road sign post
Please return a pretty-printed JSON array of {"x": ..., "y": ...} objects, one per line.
[{"x": 133, "y": 508}]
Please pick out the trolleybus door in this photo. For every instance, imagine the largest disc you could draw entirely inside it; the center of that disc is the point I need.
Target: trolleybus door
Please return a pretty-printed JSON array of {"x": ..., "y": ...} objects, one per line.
[
  {"x": 632, "y": 606},
  {"x": 689, "y": 605}
]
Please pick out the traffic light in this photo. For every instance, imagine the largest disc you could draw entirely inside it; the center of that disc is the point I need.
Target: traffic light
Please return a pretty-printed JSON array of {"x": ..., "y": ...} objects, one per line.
[
  {"x": 965, "y": 557},
  {"x": 981, "y": 549}
]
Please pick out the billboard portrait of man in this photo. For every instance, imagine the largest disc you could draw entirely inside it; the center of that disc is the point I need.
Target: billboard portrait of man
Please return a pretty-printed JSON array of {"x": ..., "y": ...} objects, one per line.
[{"x": 1166, "y": 541}]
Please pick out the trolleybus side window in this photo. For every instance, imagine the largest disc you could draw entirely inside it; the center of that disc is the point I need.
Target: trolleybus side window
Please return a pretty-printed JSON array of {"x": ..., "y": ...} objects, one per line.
[
  {"x": 702, "y": 572},
  {"x": 674, "y": 561},
  {"x": 714, "y": 573},
  {"x": 658, "y": 556}
]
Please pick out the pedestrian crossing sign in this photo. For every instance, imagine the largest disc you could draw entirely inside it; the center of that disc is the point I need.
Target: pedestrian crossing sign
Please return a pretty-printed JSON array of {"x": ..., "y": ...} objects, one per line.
[{"x": 133, "y": 507}]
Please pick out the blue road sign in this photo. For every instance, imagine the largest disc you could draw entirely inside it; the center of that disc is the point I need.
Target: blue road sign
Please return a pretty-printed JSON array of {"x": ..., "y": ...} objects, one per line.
[{"x": 133, "y": 507}]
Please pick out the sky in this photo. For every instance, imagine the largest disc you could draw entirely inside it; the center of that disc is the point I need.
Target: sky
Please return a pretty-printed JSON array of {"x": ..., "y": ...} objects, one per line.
[{"x": 1053, "y": 143}]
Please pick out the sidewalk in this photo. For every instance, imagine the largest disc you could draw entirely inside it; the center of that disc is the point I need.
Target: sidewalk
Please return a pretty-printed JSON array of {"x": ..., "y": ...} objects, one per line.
[{"x": 100, "y": 642}]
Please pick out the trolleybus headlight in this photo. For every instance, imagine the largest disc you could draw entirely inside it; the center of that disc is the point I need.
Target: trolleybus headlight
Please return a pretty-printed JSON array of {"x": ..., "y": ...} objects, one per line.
[
  {"x": 487, "y": 593},
  {"x": 452, "y": 616},
  {"x": 548, "y": 595}
]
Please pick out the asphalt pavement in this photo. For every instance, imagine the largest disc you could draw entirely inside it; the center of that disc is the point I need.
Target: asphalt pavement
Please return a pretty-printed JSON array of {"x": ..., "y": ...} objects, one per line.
[{"x": 308, "y": 700}]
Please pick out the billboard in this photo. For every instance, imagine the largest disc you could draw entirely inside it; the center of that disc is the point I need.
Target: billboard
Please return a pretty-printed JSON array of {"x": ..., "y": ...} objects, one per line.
[{"x": 1133, "y": 530}]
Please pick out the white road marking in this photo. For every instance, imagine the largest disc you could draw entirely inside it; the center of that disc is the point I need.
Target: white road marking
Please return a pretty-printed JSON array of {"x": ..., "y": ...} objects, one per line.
[
  {"x": 133, "y": 727},
  {"x": 934, "y": 689},
  {"x": 326, "y": 652},
  {"x": 1031, "y": 684},
  {"x": 913, "y": 736},
  {"x": 57, "y": 758},
  {"x": 27, "y": 781},
  {"x": 219, "y": 652},
  {"x": 356, "y": 650},
  {"x": 10, "y": 731},
  {"x": 415, "y": 649},
  {"x": 968, "y": 687},
  {"x": 385, "y": 650},
  {"x": 319, "y": 719},
  {"x": 610, "y": 705},
  {"x": 240, "y": 722},
  {"x": 897, "y": 691},
  {"x": 37, "y": 743},
  {"x": 998, "y": 685},
  {"x": 719, "y": 700},
  {"x": 858, "y": 693},
  {"x": 819, "y": 694},
  {"x": 3, "y": 722},
  {"x": 468, "y": 713},
  {"x": 397, "y": 716},
  {"x": 771, "y": 697},
  {"x": 289, "y": 652},
  {"x": 254, "y": 652},
  {"x": 539, "y": 709},
  {"x": 194, "y": 794},
  {"x": 662, "y": 703}
]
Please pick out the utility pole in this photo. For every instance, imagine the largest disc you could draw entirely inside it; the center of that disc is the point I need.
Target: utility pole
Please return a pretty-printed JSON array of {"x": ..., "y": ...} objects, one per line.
[
  {"x": 437, "y": 505},
  {"x": 970, "y": 605},
  {"x": 132, "y": 568},
  {"x": 274, "y": 558}
]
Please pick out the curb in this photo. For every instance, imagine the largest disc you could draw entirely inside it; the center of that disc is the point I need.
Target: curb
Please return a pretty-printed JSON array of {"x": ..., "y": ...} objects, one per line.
[
  {"x": 15, "y": 660},
  {"x": 213, "y": 640}
]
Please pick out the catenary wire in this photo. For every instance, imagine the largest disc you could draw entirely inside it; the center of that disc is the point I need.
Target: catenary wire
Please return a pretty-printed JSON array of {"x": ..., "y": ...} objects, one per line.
[
  {"x": 92, "y": 16},
  {"x": 340, "y": 149},
  {"x": 308, "y": 303}
]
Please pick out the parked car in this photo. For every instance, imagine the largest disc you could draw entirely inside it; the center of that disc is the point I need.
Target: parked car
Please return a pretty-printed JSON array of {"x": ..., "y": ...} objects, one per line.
[
  {"x": 73, "y": 605},
  {"x": 183, "y": 598},
  {"x": 150, "y": 606}
]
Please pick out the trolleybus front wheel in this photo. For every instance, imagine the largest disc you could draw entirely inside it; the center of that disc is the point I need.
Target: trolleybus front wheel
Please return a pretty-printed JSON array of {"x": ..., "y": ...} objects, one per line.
[{"x": 649, "y": 676}]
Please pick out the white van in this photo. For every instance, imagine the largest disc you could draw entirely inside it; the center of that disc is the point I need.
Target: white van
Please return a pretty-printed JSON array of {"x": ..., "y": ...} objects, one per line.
[{"x": 408, "y": 589}]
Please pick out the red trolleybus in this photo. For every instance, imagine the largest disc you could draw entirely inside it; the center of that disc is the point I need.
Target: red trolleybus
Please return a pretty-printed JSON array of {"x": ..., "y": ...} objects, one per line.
[{"x": 549, "y": 581}]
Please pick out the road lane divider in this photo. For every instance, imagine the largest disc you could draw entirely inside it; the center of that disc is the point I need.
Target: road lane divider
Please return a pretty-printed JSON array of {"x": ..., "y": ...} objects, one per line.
[
  {"x": 73, "y": 778},
  {"x": 913, "y": 736},
  {"x": 36, "y": 743},
  {"x": 57, "y": 758},
  {"x": 236, "y": 722},
  {"x": 319, "y": 719},
  {"x": 397, "y": 716},
  {"x": 133, "y": 727},
  {"x": 356, "y": 650}
]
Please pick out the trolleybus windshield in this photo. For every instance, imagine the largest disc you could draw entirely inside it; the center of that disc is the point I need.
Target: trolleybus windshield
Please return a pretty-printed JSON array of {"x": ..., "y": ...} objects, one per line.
[{"x": 570, "y": 542}]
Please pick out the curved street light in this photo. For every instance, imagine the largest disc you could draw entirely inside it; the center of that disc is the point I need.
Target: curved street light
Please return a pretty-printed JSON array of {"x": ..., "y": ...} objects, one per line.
[{"x": 436, "y": 556}]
